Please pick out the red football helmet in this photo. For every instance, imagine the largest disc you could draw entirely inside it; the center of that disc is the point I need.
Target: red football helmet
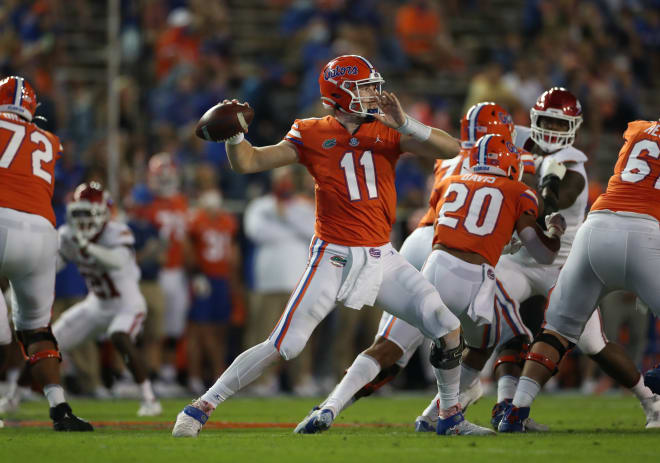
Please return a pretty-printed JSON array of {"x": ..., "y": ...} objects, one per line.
[
  {"x": 484, "y": 118},
  {"x": 496, "y": 155},
  {"x": 89, "y": 209},
  {"x": 557, "y": 103},
  {"x": 341, "y": 81},
  {"x": 162, "y": 175},
  {"x": 17, "y": 96}
]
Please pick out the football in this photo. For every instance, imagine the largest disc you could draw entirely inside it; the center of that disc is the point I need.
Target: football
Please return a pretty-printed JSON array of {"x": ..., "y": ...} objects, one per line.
[{"x": 224, "y": 120}]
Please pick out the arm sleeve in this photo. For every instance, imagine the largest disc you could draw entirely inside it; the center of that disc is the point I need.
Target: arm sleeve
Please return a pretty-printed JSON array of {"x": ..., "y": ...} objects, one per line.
[
  {"x": 535, "y": 246},
  {"x": 110, "y": 258}
]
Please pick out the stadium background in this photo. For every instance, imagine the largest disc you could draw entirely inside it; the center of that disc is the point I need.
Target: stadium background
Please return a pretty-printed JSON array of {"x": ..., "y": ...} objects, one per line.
[{"x": 119, "y": 81}]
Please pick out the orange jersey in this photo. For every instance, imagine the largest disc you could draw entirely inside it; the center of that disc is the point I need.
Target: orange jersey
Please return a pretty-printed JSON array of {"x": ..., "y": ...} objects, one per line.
[
  {"x": 27, "y": 165},
  {"x": 212, "y": 238},
  {"x": 635, "y": 185},
  {"x": 478, "y": 213},
  {"x": 169, "y": 214},
  {"x": 354, "y": 173},
  {"x": 444, "y": 168}
]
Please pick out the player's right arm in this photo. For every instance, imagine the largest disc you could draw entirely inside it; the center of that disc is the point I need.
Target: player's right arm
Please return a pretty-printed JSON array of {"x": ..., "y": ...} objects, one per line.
[
  {"x": 246, "y": 159},
  {"x": 541, "y": 246}
]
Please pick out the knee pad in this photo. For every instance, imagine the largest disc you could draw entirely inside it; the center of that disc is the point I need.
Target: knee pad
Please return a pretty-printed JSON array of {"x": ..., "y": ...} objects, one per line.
[
  {"x": 542, "y": 359},
  {"x": 446, "y": 359},
  {"x": 520, "y": 344},
  {"x": 27, "y": 337}
]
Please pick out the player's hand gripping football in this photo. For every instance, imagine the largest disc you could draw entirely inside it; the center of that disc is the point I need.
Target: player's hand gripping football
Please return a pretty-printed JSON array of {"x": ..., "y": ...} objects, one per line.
[
  {"x": 393, "y": 114},
  {"x": 556, "y": 224}
]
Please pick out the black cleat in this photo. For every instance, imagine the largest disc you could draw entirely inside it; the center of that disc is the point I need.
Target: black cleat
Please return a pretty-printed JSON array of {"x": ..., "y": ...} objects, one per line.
[{"x": 64, "y": 419}]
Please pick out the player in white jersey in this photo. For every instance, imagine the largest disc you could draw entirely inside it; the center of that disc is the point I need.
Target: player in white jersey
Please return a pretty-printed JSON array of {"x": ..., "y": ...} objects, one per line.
[{"x": 102, "y": 250}]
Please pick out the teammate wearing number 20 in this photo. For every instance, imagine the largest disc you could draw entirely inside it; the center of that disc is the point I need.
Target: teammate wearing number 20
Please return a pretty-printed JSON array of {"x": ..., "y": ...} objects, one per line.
[
  {"x": 28, "y": 241},
  {"x": 352, "y": 156}
]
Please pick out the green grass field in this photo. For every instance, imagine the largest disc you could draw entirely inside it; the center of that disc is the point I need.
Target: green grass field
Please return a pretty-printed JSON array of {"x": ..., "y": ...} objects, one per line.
[{"x": 603, "y": 429}]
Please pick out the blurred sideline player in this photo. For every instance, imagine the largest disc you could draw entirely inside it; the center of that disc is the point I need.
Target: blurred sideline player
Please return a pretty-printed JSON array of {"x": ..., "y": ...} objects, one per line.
[
  {"x": 28, "y": 241},
  {"x": 555, "y": 119},
  {"x": 618, "y": 246},
  {"x": 214, "y": 261},
  {"x": 396, "y": 340},
  {"x": 168, "y": 213},
  {"x": 102, "y": 249},
  {"x": 352, "y": 156}
]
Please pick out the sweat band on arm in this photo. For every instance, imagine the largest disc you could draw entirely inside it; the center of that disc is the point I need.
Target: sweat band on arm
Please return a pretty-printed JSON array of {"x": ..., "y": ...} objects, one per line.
[
  {"x": 415, "y": 129},
  {"x": 236, "y": 139}
]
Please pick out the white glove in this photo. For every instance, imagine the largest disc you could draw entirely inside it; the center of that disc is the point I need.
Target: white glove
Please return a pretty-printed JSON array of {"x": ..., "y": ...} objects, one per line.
[
  {"x": 201, "y": 286},
  {"x": 81, "y": 241},
  {"x": 512, "y": 246},
  {"x": 556, "y": 224},
  {"x": 550, "y": 166}
]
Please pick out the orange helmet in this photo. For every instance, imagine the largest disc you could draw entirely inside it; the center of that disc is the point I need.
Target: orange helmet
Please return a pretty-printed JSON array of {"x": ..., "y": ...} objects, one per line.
[
  {"x": 340, "y": 82},
  {"x": 496, "y": 155},
  {"x": 17, "y": 96},
  {"x": 484, "y": 118}
]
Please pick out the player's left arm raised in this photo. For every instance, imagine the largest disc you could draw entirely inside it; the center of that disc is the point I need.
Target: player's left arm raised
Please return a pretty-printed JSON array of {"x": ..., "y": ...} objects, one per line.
[{"x": 417, "y": 138}]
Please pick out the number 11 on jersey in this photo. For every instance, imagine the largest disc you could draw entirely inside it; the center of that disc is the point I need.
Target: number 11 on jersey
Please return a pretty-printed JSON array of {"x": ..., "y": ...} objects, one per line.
[{"x": 348, "y": 165}]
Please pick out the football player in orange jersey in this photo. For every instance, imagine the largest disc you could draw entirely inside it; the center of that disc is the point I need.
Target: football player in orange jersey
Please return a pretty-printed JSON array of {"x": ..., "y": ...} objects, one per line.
[
  {"x": 168, "y": 213},
  {"x": 351, "y": 155},
  {"x": 396, "y": 340},
  {"x": 28, "y": 240},
  {"x": 214, "y": 259},
  {"x": 618, "y": 246}
]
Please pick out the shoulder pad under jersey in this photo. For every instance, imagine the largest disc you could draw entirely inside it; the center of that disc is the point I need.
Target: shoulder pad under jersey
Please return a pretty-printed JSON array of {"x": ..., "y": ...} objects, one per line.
[
  {"x": 569, "y": 154},
  {"x": 116, "y": 234}
]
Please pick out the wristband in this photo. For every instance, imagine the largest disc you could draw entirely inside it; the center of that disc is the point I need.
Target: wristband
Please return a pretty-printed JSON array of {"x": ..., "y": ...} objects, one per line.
[
  {"x": 236, "y": 139},
  {"x": 415, "y": 129}
]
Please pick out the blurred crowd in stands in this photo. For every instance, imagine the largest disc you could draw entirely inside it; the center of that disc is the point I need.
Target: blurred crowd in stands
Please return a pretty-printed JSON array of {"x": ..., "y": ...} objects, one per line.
[{"x": 178, "y": 58}]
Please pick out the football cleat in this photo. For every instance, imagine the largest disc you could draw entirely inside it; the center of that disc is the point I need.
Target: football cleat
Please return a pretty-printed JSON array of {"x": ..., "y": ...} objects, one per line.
[
  {"x": 514, "y": 420},
  {"x": 64, "y": 419},
  {"x": 651, "y": 408},
  {"x": 652, "y": 379},
  {"x": 499, "y": 410},
  {"x": 425, "y": 424},
  {"x": 318, "y": 420},
  {"x": 189, "y": 422},
  {"x": 533, "y": 426},
  {"x": 457, "y": 425},
  {"x": 471, "y": 395},
  {"x": 10, "y": 404},
  {"x": 150, "y": 408}
]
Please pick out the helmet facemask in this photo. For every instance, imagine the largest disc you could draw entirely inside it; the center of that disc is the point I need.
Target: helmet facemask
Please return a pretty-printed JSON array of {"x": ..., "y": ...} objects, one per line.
[
  {"x": 553, "y": 140},
  {"x": 362, "y": 99},
  {"x": 87, "y": 218}
]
